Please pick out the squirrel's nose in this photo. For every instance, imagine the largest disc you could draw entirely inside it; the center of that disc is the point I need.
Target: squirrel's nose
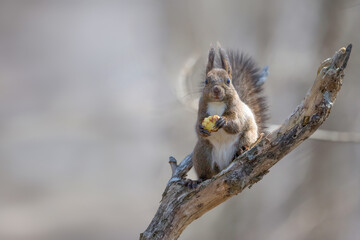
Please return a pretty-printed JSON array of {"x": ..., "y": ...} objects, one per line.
[{"x": 216, "y": 90}]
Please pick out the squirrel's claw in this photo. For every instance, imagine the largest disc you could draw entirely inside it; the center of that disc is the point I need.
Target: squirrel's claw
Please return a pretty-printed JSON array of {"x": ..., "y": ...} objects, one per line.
[
  {"x": 203, "y": 131},
  {"x": 241, "y": 150},
  {"x": 220, "y": 122},
  {"x": 192, "y": 184}
]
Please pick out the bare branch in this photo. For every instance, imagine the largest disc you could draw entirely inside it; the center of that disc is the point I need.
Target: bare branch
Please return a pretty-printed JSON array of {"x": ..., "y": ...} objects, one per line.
[
  {"x": 179, "y": 171},
  {"x": 180, "y": 205},
  {"x": 328, "y": 135}
]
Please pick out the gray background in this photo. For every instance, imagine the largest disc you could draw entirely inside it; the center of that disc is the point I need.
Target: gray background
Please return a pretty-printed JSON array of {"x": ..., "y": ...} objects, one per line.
[{"x": 90, "y": 114}]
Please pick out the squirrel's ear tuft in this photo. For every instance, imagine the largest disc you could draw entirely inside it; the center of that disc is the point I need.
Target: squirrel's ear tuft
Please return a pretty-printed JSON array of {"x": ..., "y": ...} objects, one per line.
[
  {"x": 210, "y": 64},
  {"x": 225, "y": 61}
]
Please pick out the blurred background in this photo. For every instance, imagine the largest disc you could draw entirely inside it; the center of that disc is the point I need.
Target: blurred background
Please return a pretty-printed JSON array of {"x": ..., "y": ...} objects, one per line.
[{"x": 90, "y": 112}]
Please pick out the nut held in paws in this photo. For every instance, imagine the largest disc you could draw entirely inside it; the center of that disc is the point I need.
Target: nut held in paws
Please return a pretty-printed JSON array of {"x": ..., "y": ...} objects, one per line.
[{"x": 209, "y": 123}]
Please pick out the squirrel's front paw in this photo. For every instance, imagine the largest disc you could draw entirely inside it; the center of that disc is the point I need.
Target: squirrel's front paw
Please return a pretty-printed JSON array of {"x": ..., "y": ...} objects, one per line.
[
  {"x": 203, "y": 131},
  {"x": 220, "y": 122}
]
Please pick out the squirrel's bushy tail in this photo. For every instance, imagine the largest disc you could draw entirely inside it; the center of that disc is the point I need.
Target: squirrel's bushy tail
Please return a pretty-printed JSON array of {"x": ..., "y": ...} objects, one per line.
[{"x": 248, "y": 81}]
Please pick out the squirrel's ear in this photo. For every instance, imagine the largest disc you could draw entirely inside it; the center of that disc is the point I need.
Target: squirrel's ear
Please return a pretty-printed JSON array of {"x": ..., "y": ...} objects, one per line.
[
  {"x": 225, "y": 61},
  {"x": 210, "y": 64}
]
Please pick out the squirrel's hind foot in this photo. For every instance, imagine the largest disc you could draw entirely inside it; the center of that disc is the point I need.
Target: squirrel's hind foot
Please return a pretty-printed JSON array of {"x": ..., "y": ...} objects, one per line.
[
  {"x": 241, "y": 151},
  {"x": 192, "y": 184}
]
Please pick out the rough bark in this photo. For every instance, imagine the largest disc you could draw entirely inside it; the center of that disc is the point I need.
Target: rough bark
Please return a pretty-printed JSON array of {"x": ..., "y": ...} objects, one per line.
[{"x": 180, "y": 205}]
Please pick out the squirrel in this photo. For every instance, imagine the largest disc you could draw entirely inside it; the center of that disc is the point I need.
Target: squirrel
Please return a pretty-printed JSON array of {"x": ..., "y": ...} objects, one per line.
[{"x": 234, "y": 92}]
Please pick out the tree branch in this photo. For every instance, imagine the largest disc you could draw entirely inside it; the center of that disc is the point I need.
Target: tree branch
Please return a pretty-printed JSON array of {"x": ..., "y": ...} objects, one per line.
[{"x": 180, "y": 205}]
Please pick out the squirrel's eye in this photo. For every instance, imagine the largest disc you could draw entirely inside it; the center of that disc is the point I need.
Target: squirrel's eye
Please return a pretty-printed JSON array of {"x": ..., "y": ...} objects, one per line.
[
  {"x": 206, "y": 81},
  {"x": 228, "y": 81}
]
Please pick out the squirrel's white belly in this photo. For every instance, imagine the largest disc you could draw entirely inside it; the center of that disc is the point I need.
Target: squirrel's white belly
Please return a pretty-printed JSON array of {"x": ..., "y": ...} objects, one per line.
[
  {"x": 224, "y": 144},
  {"x": 224, "y": 148}
]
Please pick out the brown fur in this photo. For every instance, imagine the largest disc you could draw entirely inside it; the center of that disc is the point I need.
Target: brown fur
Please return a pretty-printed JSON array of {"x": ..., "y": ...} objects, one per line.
[
  {"x": 246, "y": 76},
  {"x": 239, "y": 95}
]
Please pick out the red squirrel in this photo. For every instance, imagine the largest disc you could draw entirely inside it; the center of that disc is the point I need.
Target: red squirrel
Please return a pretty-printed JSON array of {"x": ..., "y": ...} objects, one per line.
[{"x": 233, "y": 90}]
